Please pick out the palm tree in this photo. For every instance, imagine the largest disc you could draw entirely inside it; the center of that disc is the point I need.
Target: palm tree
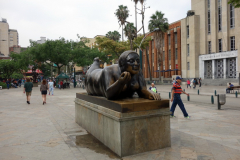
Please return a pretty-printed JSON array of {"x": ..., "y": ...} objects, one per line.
[
  {"x": 136, "y": 1},
  {"x": 130, "y": 32},
  {"x": 157, "y": 20},
  {"x": 115, "y": 35},
  {"x": 122, "y": 14},
  {"x": 142, "y": 12}
]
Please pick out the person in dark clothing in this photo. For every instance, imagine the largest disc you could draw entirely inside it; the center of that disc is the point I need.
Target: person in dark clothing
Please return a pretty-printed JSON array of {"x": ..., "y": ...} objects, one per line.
[
  {"x": 200, "y": 82},
  {"x": 8, "y": 83},
  {"x": 28, "y": 89},
  {"x": 19, "y": 82}
]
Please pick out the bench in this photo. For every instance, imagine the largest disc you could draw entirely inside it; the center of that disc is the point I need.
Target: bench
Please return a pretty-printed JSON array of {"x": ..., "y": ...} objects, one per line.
[{"x": 235, "y": 88}]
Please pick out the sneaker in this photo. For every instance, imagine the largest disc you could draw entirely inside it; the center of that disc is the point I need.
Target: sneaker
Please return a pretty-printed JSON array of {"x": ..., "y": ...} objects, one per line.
[
  {"x": 188, "y": 117},
  {"x": 172, "y": 116}
]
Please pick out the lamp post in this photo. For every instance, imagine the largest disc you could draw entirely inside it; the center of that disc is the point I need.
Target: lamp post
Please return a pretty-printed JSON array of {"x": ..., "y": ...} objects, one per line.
[{"x": 147, "y": 54}]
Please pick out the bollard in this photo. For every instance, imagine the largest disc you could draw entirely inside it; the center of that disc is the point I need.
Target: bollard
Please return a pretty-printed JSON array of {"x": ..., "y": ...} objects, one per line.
[
  {"x": 169, "y": 95},
  {"x": 212, "y": 99},
  {"x": 184, "y": 90},
  {"x": 236, "y": 93},
  {"x": 188, "y": 98},
  {"x": 215, "y": 93},
  {"x": 219, "y": 106},
  {"x": 198, "y": 91}
]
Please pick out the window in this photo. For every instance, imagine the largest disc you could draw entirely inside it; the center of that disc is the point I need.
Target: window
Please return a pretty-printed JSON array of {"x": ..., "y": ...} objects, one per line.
[
  {"x": 220, "y": 45},
  {"x": 209, "y": 47},
  {"x": 187, "y": 49},
  {"x": 187, "y": 31},
  {"x": 232, "y": 40},
  {"x": 209, "y": 4},
  {"x": 232, "y": 16},
  {"x": 175, "y": 38},
  {"x": 163, "y": 67},
  {"x": 209, "y": 22},
  {"x": 219, "y": 15},
  {"x": 163, "y": 57},
  {"x": 163, "y": 42},
  {"x": 188, "y": 66},
  {"x": 176, "y": 56},
  {"x": 169, "y": 55},
  {"x": 170, "y": 66},
  {"x": 169, "y": 40}
]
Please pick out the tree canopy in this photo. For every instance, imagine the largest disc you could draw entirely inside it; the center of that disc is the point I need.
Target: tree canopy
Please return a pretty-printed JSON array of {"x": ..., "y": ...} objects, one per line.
[
  {"x": 235, "y": 3},
  {"x": 115, "y": 35},
  {"x": 111, "y": 47}
]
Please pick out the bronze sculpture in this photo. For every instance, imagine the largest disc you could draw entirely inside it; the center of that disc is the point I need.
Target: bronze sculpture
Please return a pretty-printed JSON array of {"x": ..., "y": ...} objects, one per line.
[{"x": 120, "y": 80}]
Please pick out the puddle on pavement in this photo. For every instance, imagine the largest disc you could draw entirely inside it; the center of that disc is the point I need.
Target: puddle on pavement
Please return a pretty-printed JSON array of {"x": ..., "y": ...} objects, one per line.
[{"x": 92, "y": 143}]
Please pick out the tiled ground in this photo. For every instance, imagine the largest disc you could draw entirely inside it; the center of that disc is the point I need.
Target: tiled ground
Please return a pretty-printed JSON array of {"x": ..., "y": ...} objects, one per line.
[{"x": 49, "y": 131}]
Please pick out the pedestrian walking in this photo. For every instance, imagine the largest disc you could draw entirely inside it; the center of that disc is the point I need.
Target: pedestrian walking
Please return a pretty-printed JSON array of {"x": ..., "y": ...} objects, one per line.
[
  {"x": 28, "y": 89},
  {"x": 188, "y": 83},
  {"x": 200, "y": 82},
  {"x": 194, "y": 83},
  {"x": 176, "y": 98},
  {"x": 43, "y": 90},
  {"x": 8, "y": 83},
  {"x": 51, "y": 87}
]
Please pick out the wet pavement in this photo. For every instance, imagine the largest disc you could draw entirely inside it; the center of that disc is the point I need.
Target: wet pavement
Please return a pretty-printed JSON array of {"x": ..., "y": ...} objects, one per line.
[{"x": 49, "y": 131}]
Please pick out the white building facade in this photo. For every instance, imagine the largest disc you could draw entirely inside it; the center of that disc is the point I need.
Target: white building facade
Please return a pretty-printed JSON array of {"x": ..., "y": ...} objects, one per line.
[{"x": 211, "y": 40}]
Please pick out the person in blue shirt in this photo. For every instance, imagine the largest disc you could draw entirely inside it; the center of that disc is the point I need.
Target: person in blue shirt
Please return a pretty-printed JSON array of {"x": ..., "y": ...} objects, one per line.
[
  {"x": 229, "y": 88},
  {"x": 153, "y": 88}
]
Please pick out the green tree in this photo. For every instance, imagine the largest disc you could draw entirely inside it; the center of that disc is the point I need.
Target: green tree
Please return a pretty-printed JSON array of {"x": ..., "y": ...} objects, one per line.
[
  {"x": 130, "y": 32},
  {"x": 158, "y": 21},
  {"x": 235, "y": 3},
  {"x": 115, "y": 35},
  {"x": 137, "y": 41},
  {"x": 58, "y": 52},
  {"x": 122, "y": 14},
  {"x": 7, "y": 68},
  {"x": 111, "y": 47}
]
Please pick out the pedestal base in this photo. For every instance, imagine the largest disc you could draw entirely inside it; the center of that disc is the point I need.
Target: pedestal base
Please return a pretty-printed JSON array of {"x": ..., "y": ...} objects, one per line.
[{"x": 126, "y": 132}]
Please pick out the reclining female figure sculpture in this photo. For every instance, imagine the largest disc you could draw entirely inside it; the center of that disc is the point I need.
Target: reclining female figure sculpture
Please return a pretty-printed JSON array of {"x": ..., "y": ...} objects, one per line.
[{"x": 120, "y": 80}]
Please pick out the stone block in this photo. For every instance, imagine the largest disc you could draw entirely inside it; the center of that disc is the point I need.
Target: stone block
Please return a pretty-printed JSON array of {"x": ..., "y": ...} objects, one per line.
[{"x": 130, "y": 131}]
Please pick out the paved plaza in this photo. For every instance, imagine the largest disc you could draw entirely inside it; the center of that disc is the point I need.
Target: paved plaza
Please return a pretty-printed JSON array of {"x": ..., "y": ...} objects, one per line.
[{"x": 49, "y": 132}]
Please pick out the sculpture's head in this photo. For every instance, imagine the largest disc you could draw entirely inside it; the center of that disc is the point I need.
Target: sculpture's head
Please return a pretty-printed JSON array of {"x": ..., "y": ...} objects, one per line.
[{"x": 129, "y": 61}]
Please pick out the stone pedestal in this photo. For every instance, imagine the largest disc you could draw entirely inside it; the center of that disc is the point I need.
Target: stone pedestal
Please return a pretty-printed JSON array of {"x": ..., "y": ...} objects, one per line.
[
  {"x": 35, "y": 84},
  {"x": 128, "y": 126}
]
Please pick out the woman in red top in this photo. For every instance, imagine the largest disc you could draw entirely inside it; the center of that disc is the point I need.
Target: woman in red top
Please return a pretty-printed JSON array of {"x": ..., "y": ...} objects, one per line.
[
  {"x": 188, "y": 83},
  {"x": 61, "y": 84}
]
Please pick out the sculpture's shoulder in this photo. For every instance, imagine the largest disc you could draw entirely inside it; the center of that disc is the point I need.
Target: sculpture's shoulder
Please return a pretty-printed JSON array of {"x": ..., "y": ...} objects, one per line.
[{"x": 112, "y": 70}]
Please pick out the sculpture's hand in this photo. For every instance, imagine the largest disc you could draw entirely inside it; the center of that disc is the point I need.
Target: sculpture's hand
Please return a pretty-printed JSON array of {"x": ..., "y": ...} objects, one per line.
[
  {"x": 154, "y": 96},
  {"x": 125, "y": 77}
]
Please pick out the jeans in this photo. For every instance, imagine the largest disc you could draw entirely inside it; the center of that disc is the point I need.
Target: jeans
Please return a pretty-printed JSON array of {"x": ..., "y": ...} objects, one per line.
[
  {"x": 51, "y": 90},
  {"x": 188, "y": 85},
  {"x": 7, "y": 86},
  {"x": 19, "y": 84},
  {"x": 200, "y": 84},
  {"x": 177, "y": 100},
  {"x": 228, "y": 90}
]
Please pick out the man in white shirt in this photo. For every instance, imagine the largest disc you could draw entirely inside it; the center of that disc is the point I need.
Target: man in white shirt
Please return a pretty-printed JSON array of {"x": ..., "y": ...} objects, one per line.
[{"x": 50, "y": 86}]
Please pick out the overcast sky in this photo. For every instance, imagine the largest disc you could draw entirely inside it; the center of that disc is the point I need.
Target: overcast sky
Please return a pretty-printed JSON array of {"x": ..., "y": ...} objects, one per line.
[{"x": 67, "y": 18}]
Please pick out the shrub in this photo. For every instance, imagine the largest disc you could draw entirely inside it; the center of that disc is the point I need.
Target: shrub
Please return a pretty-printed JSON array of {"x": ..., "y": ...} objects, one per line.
[{"x": 4, "y": 85}]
